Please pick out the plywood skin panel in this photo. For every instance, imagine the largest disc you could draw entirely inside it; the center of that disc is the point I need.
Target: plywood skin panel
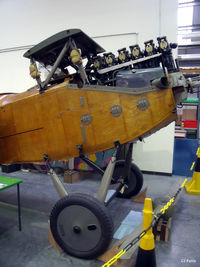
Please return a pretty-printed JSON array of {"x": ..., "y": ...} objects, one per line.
[
  {"x": 7, "y": 125},
  {"x": 51, "y": 122}
]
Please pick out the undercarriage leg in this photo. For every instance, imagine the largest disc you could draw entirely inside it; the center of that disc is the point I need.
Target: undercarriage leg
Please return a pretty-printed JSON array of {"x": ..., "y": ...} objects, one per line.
[
  {"x": 128, "y": 160},
  {"x": 56, "y": 181},
  {"x": 106, "y": 180}
]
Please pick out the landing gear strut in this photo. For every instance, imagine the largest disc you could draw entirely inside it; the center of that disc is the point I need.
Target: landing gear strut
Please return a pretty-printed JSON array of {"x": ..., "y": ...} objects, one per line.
[{"x": 81, "y": 224}]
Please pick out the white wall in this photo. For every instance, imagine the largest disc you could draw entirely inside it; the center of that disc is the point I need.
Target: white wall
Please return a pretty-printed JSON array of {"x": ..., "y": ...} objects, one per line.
[
  {"x": 29, "y": 22},
  {"x": 156, "y": 154}
]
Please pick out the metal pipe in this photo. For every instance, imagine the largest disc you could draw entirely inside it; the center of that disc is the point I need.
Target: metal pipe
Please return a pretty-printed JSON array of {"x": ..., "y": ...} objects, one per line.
[
  {"x": 14, "y": 49},
  {"x": 188, "y": 27},
  {"x": 57, "y": 62},
  {"x": 25, "y": 47},
  {"x": 114, "y": 35},
  {"x": 190, "y": 35},
  {"x": 128, "y": 63},
  {"x": 92, "y": 164},
  {"x": 117, "y": 190},
  {"x": 188, "y": 4},
  {"x": 19, "y": 207}
]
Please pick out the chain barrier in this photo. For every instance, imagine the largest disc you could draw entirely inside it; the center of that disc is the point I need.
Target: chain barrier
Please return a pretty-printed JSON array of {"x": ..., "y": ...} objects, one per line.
[{"x": 154, "y": 221}]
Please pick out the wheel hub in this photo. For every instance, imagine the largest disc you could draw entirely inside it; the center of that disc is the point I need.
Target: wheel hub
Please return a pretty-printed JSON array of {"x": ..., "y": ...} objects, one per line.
[
  {"x": 77, "y": 229},
  {"x": 86, "y": 230}
]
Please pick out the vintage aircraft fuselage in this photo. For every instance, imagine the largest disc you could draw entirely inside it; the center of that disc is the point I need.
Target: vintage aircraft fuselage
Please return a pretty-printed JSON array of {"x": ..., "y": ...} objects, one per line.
[
  {"x": 65, "y": 116},
  {"x": 58, "y": 117}
]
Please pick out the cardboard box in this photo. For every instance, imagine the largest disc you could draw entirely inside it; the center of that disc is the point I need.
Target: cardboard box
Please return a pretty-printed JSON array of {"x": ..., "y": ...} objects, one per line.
[
  {"x": 71, "y": 176},
  {"x": 189, "y": 114}
]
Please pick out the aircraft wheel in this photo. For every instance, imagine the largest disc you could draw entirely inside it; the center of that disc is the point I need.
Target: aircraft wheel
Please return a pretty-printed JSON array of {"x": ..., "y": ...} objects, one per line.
[
  {"x": 135, "y": 183},
  {"x": 81, "y": 226}
]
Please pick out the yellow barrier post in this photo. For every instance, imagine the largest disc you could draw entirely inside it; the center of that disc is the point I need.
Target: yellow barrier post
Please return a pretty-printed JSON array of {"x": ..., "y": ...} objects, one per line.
[
  {"x": 146, "y": 252},
  {"x": 193, "y": 186}
]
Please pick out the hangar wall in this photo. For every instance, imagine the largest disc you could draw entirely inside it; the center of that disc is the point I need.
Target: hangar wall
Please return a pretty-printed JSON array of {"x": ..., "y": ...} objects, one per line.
[{"x": 29, "y": 22}]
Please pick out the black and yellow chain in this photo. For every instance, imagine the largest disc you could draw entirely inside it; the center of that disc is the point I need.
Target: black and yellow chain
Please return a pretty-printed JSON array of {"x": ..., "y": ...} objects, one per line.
[{"x": 155, "y": 219}]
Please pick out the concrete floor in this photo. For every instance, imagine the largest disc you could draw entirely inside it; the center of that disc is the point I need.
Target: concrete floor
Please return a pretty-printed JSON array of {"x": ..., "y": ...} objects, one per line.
[{"x": 30, "y": 248}]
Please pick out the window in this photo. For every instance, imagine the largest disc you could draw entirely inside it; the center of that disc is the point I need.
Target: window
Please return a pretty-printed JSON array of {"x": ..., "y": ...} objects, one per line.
[{"x": 185, "y": 19}]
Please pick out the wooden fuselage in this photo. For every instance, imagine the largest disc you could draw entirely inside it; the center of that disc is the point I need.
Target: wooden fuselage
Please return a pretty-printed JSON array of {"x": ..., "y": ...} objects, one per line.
[{"x": 34, "y": 124}]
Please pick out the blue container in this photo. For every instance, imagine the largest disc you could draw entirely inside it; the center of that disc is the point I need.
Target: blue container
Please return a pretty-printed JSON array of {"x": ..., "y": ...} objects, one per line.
[{"x": 184, "y": 155}]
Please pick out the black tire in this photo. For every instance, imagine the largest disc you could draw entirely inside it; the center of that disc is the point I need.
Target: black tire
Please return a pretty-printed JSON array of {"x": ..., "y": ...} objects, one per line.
[
  {"x": 88, "y": 228},
  {"x": 135, "y": 183}
]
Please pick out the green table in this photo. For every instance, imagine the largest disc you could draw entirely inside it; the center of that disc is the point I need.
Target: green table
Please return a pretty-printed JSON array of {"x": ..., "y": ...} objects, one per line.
[{"x": 6, "y": 182}]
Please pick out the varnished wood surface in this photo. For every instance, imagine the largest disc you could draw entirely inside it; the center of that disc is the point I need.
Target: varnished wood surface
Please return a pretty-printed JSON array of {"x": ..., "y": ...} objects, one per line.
[{"x": 33, "y": 124}]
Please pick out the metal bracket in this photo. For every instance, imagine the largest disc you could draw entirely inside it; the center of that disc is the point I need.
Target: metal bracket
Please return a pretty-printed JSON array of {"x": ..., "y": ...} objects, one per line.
[{"x": 88, "y": 161}]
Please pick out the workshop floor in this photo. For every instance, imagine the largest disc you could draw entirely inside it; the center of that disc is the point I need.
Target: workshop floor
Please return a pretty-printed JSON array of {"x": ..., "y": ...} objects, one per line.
[{"x": 30, "y": 248}]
